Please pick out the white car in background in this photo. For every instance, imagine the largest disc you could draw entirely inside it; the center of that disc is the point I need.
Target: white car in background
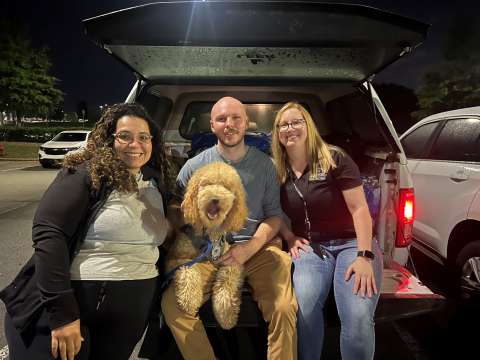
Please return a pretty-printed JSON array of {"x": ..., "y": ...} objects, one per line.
[
  {"x": 52, "y": 152},
  {"x": 443, "y": 152}
]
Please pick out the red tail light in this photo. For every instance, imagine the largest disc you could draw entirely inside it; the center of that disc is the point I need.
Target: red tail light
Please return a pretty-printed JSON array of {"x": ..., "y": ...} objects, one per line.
[{"x": 406, "y": 215}]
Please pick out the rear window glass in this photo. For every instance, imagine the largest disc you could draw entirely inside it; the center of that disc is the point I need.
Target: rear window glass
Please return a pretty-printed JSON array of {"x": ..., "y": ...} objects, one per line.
[
  {"x": 157, "y": 106},
  {"x": 196, "y": 118},
  {"x": 66, "y": 136},
  {"x": 458, "y": 141},
  {"x": 415, "y": 143},
  {"x": 352, "y": 115}
]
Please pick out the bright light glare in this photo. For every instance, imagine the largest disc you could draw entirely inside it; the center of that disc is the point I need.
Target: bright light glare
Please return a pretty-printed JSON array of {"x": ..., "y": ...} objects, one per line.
[{"x": 408, "y": 210}]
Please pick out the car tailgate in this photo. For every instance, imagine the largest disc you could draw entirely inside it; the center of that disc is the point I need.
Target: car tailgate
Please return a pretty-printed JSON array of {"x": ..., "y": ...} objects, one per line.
[
  {"x": 403, "y": 295},
  {"x": 185, "y": 42}
]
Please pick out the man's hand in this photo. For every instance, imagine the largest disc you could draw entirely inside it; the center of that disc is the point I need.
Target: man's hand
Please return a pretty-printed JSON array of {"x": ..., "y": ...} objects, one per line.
[
  {"x": 67, "y": 341},
  {"x": 238, "y": 254},
  {"x": 364, "y": 277}
]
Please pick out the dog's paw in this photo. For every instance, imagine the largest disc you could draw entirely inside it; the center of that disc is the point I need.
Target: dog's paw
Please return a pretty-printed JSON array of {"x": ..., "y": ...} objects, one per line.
[
  {"x": 188, "y": 289},
  {"x": 226, "y": 295}
]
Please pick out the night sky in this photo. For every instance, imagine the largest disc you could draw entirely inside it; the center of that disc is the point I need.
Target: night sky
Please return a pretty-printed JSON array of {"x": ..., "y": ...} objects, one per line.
[{"x": 87, "y": 73}]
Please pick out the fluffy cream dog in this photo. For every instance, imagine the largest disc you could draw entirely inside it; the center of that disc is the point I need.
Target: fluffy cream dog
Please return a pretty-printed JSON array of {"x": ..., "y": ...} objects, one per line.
[{"x": 214, "y": 205}]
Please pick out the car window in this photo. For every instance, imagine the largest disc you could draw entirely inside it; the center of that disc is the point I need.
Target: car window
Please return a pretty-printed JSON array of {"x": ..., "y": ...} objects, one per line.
[
  {"x": 196, "y": 118},
  {"x": 157, "y": 106},
  {"x": 352, "y": 114},
  {"x": 66, "y": 136},
  {"x": 458, "y": 141},
  {"x": 415, "y": 143}
]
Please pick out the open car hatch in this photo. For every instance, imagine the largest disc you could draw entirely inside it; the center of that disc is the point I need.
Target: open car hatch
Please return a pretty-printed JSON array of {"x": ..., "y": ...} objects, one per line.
[{"x": 186, "y": 42}]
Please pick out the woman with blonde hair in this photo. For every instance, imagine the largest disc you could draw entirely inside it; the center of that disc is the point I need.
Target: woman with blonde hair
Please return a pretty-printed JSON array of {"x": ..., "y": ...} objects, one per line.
[
  {"x": 88, "y": 289},
  {"x": 330, "y": 239}
]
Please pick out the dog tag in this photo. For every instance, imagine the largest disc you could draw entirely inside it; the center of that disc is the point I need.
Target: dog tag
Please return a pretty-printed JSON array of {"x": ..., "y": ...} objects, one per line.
[{"x": 216, "y": 251}]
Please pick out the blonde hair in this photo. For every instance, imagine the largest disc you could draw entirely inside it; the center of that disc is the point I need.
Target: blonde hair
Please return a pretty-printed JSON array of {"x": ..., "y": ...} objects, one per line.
[{"x": 318, "y": 151}]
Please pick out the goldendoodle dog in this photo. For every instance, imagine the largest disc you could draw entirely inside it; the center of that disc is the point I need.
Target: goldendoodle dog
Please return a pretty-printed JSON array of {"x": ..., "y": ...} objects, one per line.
[{"x": 214, "y": 205}]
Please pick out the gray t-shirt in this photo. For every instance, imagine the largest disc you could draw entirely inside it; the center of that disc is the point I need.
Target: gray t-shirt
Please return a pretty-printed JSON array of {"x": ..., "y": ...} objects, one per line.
[
  {"x": 259, "y": 179},
  {"x": 122, "y": 243}
]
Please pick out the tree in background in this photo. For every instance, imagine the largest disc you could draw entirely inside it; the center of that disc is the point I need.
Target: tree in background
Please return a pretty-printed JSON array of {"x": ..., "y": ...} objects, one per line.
[
  {"x": 57, "y": 113},
  {"x": 400, "y": 103},
  {"x": 26, "y": 88},
  {"x": 455, "y": 83},
  {"x": 71, "y": 117},
  {"x": 82, "y": 110}
]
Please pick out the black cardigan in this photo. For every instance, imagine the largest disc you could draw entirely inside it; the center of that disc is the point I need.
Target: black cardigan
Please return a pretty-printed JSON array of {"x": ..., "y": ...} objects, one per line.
[{"x": 61, "y": 222}]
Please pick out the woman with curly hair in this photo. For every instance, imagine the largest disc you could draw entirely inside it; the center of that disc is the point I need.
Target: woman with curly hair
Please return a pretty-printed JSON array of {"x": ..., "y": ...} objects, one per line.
[{"x": 88, "y": 289}]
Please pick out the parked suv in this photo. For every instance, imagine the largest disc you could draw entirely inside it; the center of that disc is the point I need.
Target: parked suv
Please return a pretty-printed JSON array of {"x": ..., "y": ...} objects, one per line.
[
  {"x": 52, "y": 152},
  {"x": 443, "y": 153},
  {"x": 187, "y": 55}
]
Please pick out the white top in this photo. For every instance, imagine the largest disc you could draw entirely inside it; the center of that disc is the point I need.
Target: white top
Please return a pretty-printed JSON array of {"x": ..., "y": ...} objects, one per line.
[{"x": 122, "y": 242}]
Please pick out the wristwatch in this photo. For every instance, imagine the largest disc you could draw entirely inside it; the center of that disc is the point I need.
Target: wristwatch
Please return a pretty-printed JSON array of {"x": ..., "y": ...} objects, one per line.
[{"x": 366, "y": 254}]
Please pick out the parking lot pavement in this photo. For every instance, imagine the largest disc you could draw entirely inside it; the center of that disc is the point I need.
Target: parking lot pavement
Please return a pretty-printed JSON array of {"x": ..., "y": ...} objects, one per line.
[
  {"x": 449, "y": 332},
  {"x": 10, "y": 165}
]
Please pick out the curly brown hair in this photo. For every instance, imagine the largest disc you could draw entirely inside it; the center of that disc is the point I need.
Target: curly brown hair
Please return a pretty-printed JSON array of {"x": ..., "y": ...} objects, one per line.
[{"x": 102, "y": 162}]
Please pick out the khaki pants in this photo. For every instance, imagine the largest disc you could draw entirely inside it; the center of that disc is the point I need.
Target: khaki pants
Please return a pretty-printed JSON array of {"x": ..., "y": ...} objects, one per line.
[{"x": 268, "y": 273}]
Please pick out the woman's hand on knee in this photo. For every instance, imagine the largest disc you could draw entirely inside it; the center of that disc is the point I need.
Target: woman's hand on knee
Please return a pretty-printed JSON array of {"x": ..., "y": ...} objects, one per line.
[
  {"x": 67, "y": 341},
  {"x": 364, "y": 282},
  {"x": 295, "y": 244}
]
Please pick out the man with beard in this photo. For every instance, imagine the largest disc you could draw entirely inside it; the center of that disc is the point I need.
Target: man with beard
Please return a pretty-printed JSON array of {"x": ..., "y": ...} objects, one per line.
[{"x": 257, "y": 248}]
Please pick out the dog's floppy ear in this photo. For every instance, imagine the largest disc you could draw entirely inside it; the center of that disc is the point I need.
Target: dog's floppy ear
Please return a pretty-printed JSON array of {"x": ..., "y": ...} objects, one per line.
[
  {"x": 190, "y": 204},
  {"x": 238, "y": 214}
]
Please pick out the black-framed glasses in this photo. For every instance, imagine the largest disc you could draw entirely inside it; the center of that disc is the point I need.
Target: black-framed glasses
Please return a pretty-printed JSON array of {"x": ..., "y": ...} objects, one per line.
[
  {"x": 126, "y": 137},
  {"x": 295, "y": 124}
]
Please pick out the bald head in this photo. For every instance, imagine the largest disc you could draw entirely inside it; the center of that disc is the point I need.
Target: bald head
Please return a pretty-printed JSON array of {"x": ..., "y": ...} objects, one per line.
[
  {"x": 229, "y": 122},
  {"x": 228, "y": 102}
]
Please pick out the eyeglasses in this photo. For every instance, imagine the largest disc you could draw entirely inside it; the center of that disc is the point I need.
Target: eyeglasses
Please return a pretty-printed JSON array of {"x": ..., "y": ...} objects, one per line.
[
  {"x": 295, "y": 124},
  {"x": 125, "y": 137}
]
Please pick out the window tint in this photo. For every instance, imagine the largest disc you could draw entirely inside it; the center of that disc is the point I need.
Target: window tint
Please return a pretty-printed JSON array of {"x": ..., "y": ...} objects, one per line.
[
  {"x": 157, "y": 106},
  {"x": 352, "y": 114},
  {"x": 197, "y": 118},
  {"x": 416, "y": 142},
  {"x": 67, "y": 136},
  {"x": 458, "y": 141}
]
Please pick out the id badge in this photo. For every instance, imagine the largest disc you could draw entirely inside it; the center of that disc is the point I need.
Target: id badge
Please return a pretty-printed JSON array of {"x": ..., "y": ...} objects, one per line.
[{"x": 319, "y": 176}]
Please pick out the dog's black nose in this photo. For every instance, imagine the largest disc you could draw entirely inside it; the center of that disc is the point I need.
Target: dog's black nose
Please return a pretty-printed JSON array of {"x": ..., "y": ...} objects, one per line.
[{"x": 215, "y": 201}]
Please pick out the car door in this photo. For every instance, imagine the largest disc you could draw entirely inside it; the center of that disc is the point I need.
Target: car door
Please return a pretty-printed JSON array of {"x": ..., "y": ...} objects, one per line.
[{"x": 446, "y": 181}]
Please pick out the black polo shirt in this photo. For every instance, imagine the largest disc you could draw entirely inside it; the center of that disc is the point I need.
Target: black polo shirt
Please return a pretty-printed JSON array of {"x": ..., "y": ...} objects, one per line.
[{"x": 327, "y": 210}]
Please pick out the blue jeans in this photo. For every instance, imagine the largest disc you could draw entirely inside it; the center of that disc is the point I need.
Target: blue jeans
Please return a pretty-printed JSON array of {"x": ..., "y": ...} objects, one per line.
[{"x": 312, "y": 280}]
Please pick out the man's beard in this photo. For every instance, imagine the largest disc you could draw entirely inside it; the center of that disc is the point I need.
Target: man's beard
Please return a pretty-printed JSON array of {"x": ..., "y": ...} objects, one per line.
[
  {"x": 230, "y": 145},
  {"x": 231, "y": 132}
]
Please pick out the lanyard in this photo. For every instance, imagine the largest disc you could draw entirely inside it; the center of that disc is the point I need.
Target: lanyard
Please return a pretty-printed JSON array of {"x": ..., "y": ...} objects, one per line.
[{"x": 308, "y": 225}]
